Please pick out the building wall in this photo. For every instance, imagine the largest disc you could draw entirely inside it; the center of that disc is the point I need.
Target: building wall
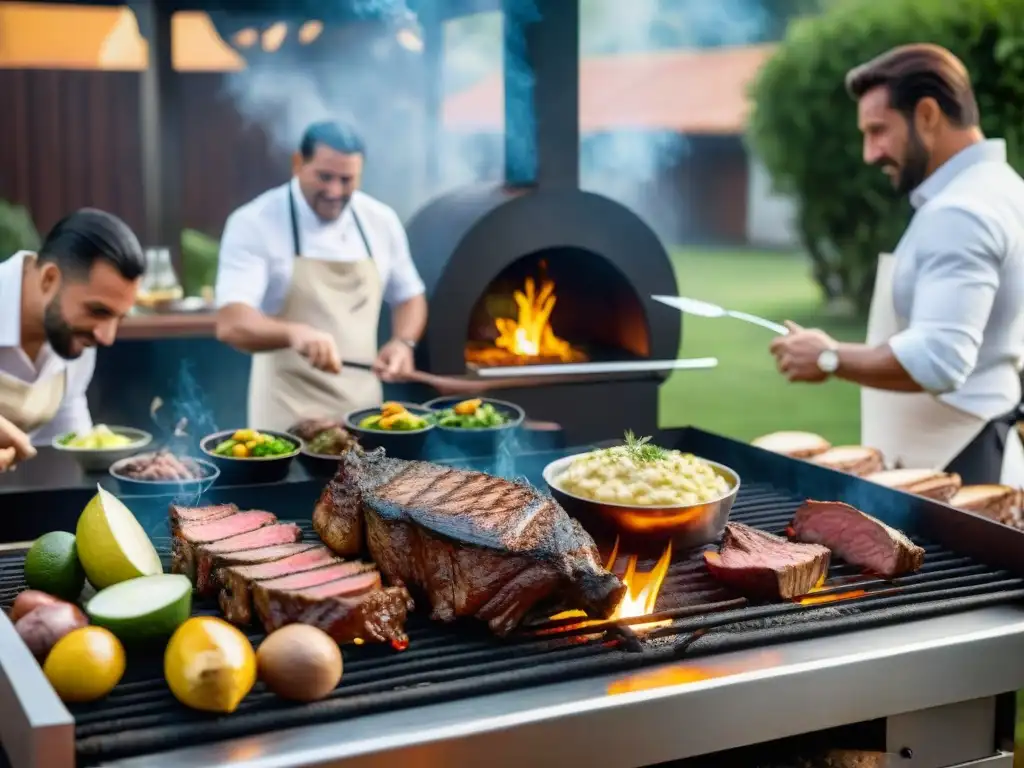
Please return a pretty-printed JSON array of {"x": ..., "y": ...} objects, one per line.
[{"x": 770, "y": 216}]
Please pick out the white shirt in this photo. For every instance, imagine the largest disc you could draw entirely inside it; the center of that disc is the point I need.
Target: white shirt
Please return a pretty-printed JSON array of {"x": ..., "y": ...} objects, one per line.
[
  {"x": 257, "y": 253},
  {"x": 73, "y": 415},
  {"x": 959, "y": 279}
]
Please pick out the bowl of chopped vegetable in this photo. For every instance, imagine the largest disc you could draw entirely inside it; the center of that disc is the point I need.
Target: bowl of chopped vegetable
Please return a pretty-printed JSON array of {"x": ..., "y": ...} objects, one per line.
[
  {"x": 97, "y": 449},
  {"x": 246, "y": 456},
  {"x": 401, "y": 429},
  {"x": 475, "y": 427}
]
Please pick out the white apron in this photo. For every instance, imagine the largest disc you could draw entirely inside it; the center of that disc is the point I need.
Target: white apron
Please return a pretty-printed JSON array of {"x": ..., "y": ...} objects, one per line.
[
  {"x": 342, "y": 298},
  {"x": 915, "y": 429},
  {"x": 31, "y": 406}
]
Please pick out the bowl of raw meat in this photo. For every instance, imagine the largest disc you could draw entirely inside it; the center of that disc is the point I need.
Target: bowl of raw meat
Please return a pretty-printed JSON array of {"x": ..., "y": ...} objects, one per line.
[
  {"x": 642, "y": 492},
  {"x": 162, "y": 472},
  {"x": 324, "y": 443}
]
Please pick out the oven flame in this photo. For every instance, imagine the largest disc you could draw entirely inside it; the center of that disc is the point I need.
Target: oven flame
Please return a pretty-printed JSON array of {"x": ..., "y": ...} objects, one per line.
[
  {"x": 529, "y": 336},
  {"x": 530, "y": 333},
  {"x": 642, "y": 591}
]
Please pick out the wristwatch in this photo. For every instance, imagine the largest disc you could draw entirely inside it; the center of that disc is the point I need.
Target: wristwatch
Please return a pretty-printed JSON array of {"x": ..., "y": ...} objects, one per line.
[
  {"x": 408, "y": 342},
  {"x": 828, "y": 360}
]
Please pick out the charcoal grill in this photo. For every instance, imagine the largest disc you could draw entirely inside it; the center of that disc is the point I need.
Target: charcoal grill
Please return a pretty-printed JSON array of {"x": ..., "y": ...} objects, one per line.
[{"x": 933, "y": 654}]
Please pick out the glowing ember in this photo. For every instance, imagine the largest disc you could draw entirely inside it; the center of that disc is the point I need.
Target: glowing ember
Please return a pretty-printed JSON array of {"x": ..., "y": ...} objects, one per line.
[
  {"x": 833, "y": 597},
  {"x": 528, "y": 337}
]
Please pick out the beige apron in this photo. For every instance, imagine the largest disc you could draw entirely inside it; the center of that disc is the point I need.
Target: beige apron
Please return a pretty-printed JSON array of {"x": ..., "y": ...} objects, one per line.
[
  {"x": 344, "y": 299},
  {"x": 915, "y": 429},
  {"x": 31, "y": 406}
]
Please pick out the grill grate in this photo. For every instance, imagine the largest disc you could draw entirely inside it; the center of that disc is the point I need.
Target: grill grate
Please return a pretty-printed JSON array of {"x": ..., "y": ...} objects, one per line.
[{"x": 444, "y": 663}]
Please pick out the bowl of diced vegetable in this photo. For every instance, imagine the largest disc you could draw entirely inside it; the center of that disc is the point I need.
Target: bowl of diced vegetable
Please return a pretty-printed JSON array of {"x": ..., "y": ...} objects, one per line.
[
  {"x": 97, "y": 449},
  {"x": 246, "y": 456},
  {"x": 401, "y": 429},
  {"x": 478, "y": 426}
]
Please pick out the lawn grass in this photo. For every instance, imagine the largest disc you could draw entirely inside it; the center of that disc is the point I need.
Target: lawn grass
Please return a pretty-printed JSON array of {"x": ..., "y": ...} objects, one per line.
[{"x": 745, "y": 396}]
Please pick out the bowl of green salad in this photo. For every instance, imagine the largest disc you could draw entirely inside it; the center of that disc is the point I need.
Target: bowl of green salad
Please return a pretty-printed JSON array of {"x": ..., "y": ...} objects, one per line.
[
  {"x": 249, "y": 456},
  {"x": 476, "y": 426}
]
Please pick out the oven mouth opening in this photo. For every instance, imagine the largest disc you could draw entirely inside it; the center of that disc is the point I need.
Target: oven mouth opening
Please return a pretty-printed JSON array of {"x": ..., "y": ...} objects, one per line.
[{"x": 558, "y": 305}]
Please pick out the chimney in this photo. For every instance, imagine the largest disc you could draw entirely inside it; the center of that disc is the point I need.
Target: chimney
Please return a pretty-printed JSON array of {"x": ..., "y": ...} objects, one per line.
[{"x": 542, "y": 85}]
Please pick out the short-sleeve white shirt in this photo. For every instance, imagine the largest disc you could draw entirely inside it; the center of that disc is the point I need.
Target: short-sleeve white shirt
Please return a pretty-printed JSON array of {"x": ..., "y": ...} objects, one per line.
[{"x": 257, "y": 252}]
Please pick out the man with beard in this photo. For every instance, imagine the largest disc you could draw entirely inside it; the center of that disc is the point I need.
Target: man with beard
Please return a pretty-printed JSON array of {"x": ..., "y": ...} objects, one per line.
[
  {"x": 940, "y": 372},
  {"x": 302, "y": 274},
  {"x": 56, "y": 306}
]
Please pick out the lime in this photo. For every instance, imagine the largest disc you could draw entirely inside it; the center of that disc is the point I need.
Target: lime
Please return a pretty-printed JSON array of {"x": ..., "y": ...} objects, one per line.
[
  {"x": 85, "y": 665},
  {"x": 143, "y": 608},
  {"x": 52, "y": 565},
  {"x": 112, "y": 545}
]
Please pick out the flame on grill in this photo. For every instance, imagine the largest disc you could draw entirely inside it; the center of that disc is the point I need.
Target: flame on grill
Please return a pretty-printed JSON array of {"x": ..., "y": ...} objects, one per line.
[
  {"x": 642, "y": 591},
  {"x": 832, "y": 597}
]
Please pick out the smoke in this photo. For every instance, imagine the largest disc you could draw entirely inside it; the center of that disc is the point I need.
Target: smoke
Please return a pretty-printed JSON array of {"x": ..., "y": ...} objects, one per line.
[{"x": 362, "y": 74}]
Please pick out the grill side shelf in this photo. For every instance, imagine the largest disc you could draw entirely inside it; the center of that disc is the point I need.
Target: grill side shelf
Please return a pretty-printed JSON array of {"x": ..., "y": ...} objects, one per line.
[{"x": 36, "y": 729}]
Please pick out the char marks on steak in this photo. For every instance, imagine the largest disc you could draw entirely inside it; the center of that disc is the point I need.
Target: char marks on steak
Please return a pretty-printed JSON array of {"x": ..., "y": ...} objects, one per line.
[
  {"x": 375, "y": 616},
  {"x": 236, "y": 581},
  {"x": 209, "y": 557},
  {"x": 475, "y": 544},
  {"x": 857, "y": 538},
  {"x": 761, "y": 565},
  {"x": 184, "y": 515}
]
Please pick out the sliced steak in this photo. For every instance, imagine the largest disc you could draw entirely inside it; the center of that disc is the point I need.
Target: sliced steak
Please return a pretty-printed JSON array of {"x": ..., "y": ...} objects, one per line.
[
  {"x": 235, "y": 597},
  {"x": 188, "y": 536},
  {"x": 761, "y": 565},
  {"x": 475, "y": 544},
  {"x": 185, "y": 515},
  {"x": 208, "y": 556},
  {"x": 376, "y": 616},
  {"x": 857, "y": 538}
]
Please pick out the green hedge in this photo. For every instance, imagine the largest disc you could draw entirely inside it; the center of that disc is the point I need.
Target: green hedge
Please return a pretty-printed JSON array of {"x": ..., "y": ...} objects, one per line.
[
  {"x": 803, "y": 125},
  {"x": 17, "y": 231}
]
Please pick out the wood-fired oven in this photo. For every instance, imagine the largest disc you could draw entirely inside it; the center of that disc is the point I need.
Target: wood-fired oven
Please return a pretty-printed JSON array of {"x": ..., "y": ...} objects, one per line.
[{"x": 537, "y": 271}]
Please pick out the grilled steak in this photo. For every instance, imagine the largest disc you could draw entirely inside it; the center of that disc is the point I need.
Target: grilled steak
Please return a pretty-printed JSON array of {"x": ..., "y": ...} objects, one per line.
[
  {"x": 762, "y": 565},
  {"x": 208, "y": 557},
  {"x": 475, "y": 544},
  {"x": 375, "y": 616},
  {"x": 858, "y": 538},
  {"x": 187, "y": 536},
  {"x": 235, "y": 597},
  {"x": 185, "y": 515}
]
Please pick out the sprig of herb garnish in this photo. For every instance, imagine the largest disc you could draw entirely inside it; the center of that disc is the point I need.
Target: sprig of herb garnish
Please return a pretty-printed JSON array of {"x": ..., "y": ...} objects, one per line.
[{"x": 641, "y": 450}]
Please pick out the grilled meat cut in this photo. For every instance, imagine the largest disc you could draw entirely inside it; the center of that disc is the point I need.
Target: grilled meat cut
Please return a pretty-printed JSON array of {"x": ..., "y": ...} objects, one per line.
[
  {"x": 187, "y": 536},
  {"x": 184, "y": 515},
  {"x": 236, "y": 593},
  {"x": 208, "y": 557},
  {"x": 930, "y": 483},
  {"x": 345, "y": 611},
  {"x": 853, "y": 459},
  {"x": 857, "y": 538},
  {"x": 761, "y": 565},
  {"x": 475, "y": 544}
]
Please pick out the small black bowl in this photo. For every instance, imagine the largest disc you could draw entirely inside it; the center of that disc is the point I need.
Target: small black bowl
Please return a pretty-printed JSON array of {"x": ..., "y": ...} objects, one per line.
[
  {"x": 324, "y": 465},
  {"x": 411, "y": 444},
  {"x": 250, "y": 471},
  {"x": 486, "y": 441},
  {"x": 133, "y": 486}
]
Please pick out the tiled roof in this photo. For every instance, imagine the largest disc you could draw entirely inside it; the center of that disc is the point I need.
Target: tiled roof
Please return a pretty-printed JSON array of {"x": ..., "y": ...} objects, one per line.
[{"x": 692, "y": 92}]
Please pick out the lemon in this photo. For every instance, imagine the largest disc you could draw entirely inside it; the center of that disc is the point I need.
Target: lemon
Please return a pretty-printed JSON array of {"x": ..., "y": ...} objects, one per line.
[
  {"x": 112, "y": 545},
  {"x": 85, "y": 665},
  {"x": 209, "y": 665},
  {"x": 52, "y": 566}
]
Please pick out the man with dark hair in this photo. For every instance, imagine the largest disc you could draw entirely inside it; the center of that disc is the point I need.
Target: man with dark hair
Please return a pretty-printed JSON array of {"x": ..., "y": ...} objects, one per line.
[
  {"x": 56, "y": 306},
  {"x": 940, "y": 371},
  {"x": 303, "y": 271}
]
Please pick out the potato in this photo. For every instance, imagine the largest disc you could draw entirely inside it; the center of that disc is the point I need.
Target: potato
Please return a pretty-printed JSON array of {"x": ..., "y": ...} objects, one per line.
[
  {"x": 43, "y": 627},
  {"x": 28, "y": 601}
]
